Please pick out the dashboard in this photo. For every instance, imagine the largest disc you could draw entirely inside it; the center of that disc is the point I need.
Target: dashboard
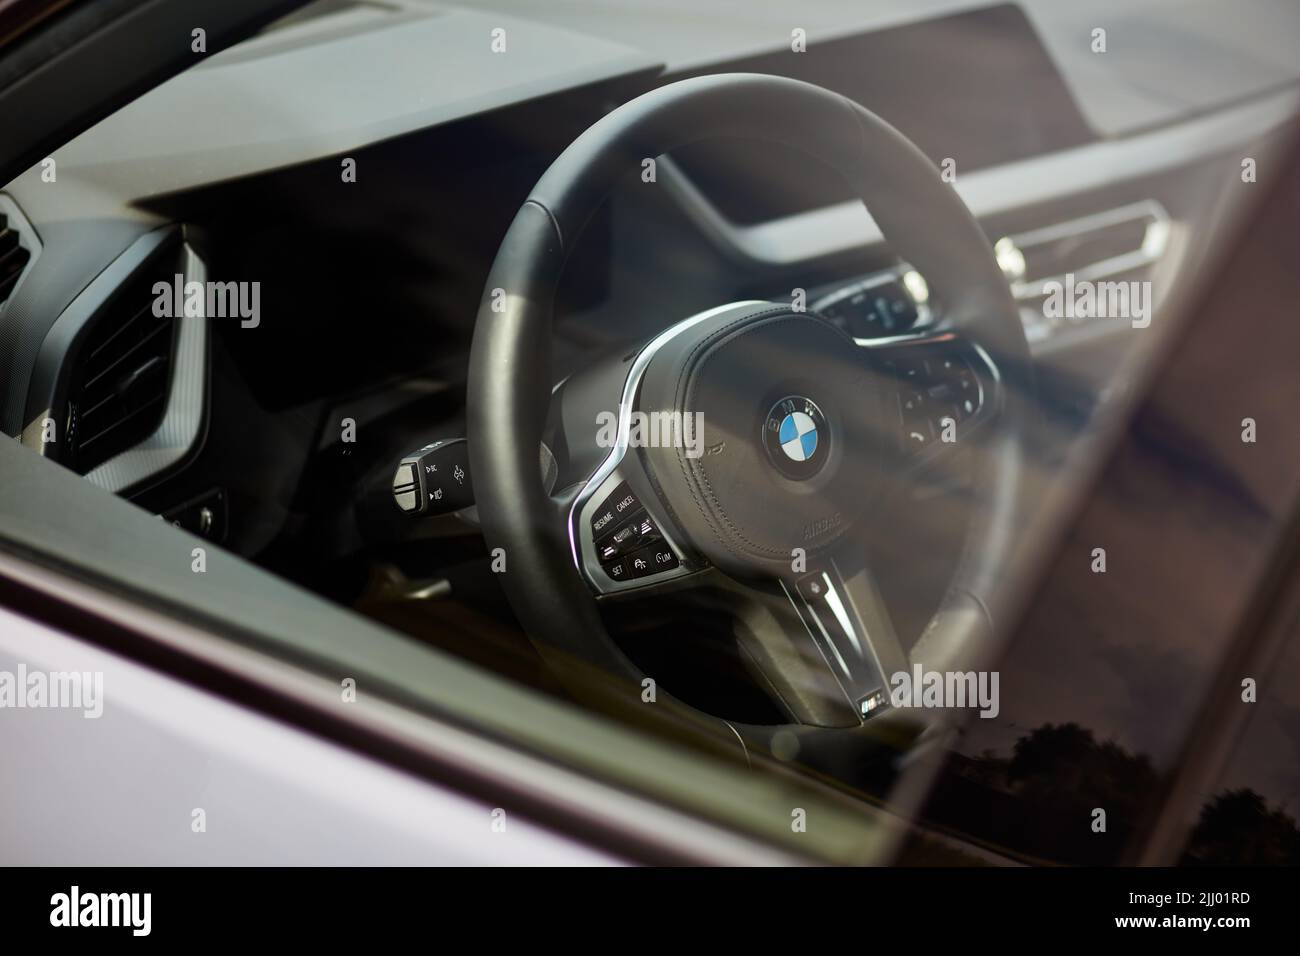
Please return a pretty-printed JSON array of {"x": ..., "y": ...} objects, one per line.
[{"x": 359, "y": 188}]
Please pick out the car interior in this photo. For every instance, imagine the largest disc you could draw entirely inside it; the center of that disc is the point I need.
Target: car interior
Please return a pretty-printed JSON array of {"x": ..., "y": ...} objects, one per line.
[{"x": 402, "y": 328}]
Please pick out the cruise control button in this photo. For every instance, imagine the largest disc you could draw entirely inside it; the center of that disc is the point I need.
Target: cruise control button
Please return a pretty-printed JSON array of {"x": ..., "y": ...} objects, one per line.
[
  {"x": 602, "y": 520},
  {"x": 624, "y": 536},
  {"x": 662, "y": 557},
  {"x": 623, "y": 501},
  {"x": 620, "y": 503},
  {"x": 652, "y": 560},
  {"x": 617, "y": 570}
]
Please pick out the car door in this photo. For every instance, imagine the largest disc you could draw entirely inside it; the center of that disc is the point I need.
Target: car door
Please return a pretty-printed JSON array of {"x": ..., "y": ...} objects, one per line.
[{"x": 192, "y": 737}]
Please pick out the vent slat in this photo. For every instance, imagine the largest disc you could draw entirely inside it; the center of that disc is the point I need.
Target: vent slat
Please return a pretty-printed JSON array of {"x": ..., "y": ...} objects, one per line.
[
  {"x": 118, "y": 391},
  {"x": 117, "y": 362},
  {"x": 90, "y": 410},
  {"x": 150, "y": 406},
  {"x": 116, "y": 334}
]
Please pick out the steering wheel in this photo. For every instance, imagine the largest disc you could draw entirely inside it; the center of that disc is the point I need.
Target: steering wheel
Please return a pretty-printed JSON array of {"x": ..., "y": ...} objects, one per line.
[{"x": 800, "y": 427}]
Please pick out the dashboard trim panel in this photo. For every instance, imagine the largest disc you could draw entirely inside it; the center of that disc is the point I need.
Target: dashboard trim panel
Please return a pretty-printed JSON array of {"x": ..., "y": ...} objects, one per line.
[
  {"x": 182, "y": 422},
  {"x": 835, "y": 230}
]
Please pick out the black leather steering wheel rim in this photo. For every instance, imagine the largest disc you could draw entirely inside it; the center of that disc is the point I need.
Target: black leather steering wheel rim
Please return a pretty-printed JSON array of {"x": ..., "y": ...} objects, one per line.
[{"x": 510, "y": 376}]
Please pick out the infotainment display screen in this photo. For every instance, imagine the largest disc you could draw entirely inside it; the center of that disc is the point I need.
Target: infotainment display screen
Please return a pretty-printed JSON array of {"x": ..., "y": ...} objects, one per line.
[{"x": 977, "y": 87}]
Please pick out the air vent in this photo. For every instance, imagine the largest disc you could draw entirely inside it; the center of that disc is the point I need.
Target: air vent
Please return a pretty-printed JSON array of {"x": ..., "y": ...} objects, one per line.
[
  {"x": 118, "y": 393},
  {"x": 1119, "y": 243},
  {"x": 14, "y": 256}
]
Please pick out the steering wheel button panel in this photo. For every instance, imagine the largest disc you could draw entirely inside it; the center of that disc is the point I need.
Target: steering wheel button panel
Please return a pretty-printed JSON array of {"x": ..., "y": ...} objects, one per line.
[
  {"x": 933, "y": 388},
  {"x": 620, "y": 541},
  {"x": 627, "y": 540},
  {"x": 879, "y": 305}
]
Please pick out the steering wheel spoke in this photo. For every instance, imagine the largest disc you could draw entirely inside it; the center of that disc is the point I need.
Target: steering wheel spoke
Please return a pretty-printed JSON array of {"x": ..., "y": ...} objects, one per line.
[
  {"x": 843, "y": 616},
  {"x": 820, "y": 642}
]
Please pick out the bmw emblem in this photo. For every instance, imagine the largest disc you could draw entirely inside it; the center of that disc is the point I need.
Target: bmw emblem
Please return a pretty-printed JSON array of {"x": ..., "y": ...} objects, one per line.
[{"x": 796, "y": 437}]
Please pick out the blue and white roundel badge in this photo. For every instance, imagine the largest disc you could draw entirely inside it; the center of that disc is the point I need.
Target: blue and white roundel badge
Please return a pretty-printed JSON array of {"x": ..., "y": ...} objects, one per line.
[{"x": 796, "y": 437}]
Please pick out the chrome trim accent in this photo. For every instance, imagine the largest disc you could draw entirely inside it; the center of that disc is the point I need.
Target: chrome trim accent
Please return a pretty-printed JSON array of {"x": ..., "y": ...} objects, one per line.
[
  {"x": 994, "y": 372},
  {"x": 609, "y": 467},
  {"x": 1155, "y": 241},
  {"x": 841, "y": 613},
  {"x": 182, "y": 422},
  {"x": 887, "y": 340},
  {"x": 868, "y": 664}
]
